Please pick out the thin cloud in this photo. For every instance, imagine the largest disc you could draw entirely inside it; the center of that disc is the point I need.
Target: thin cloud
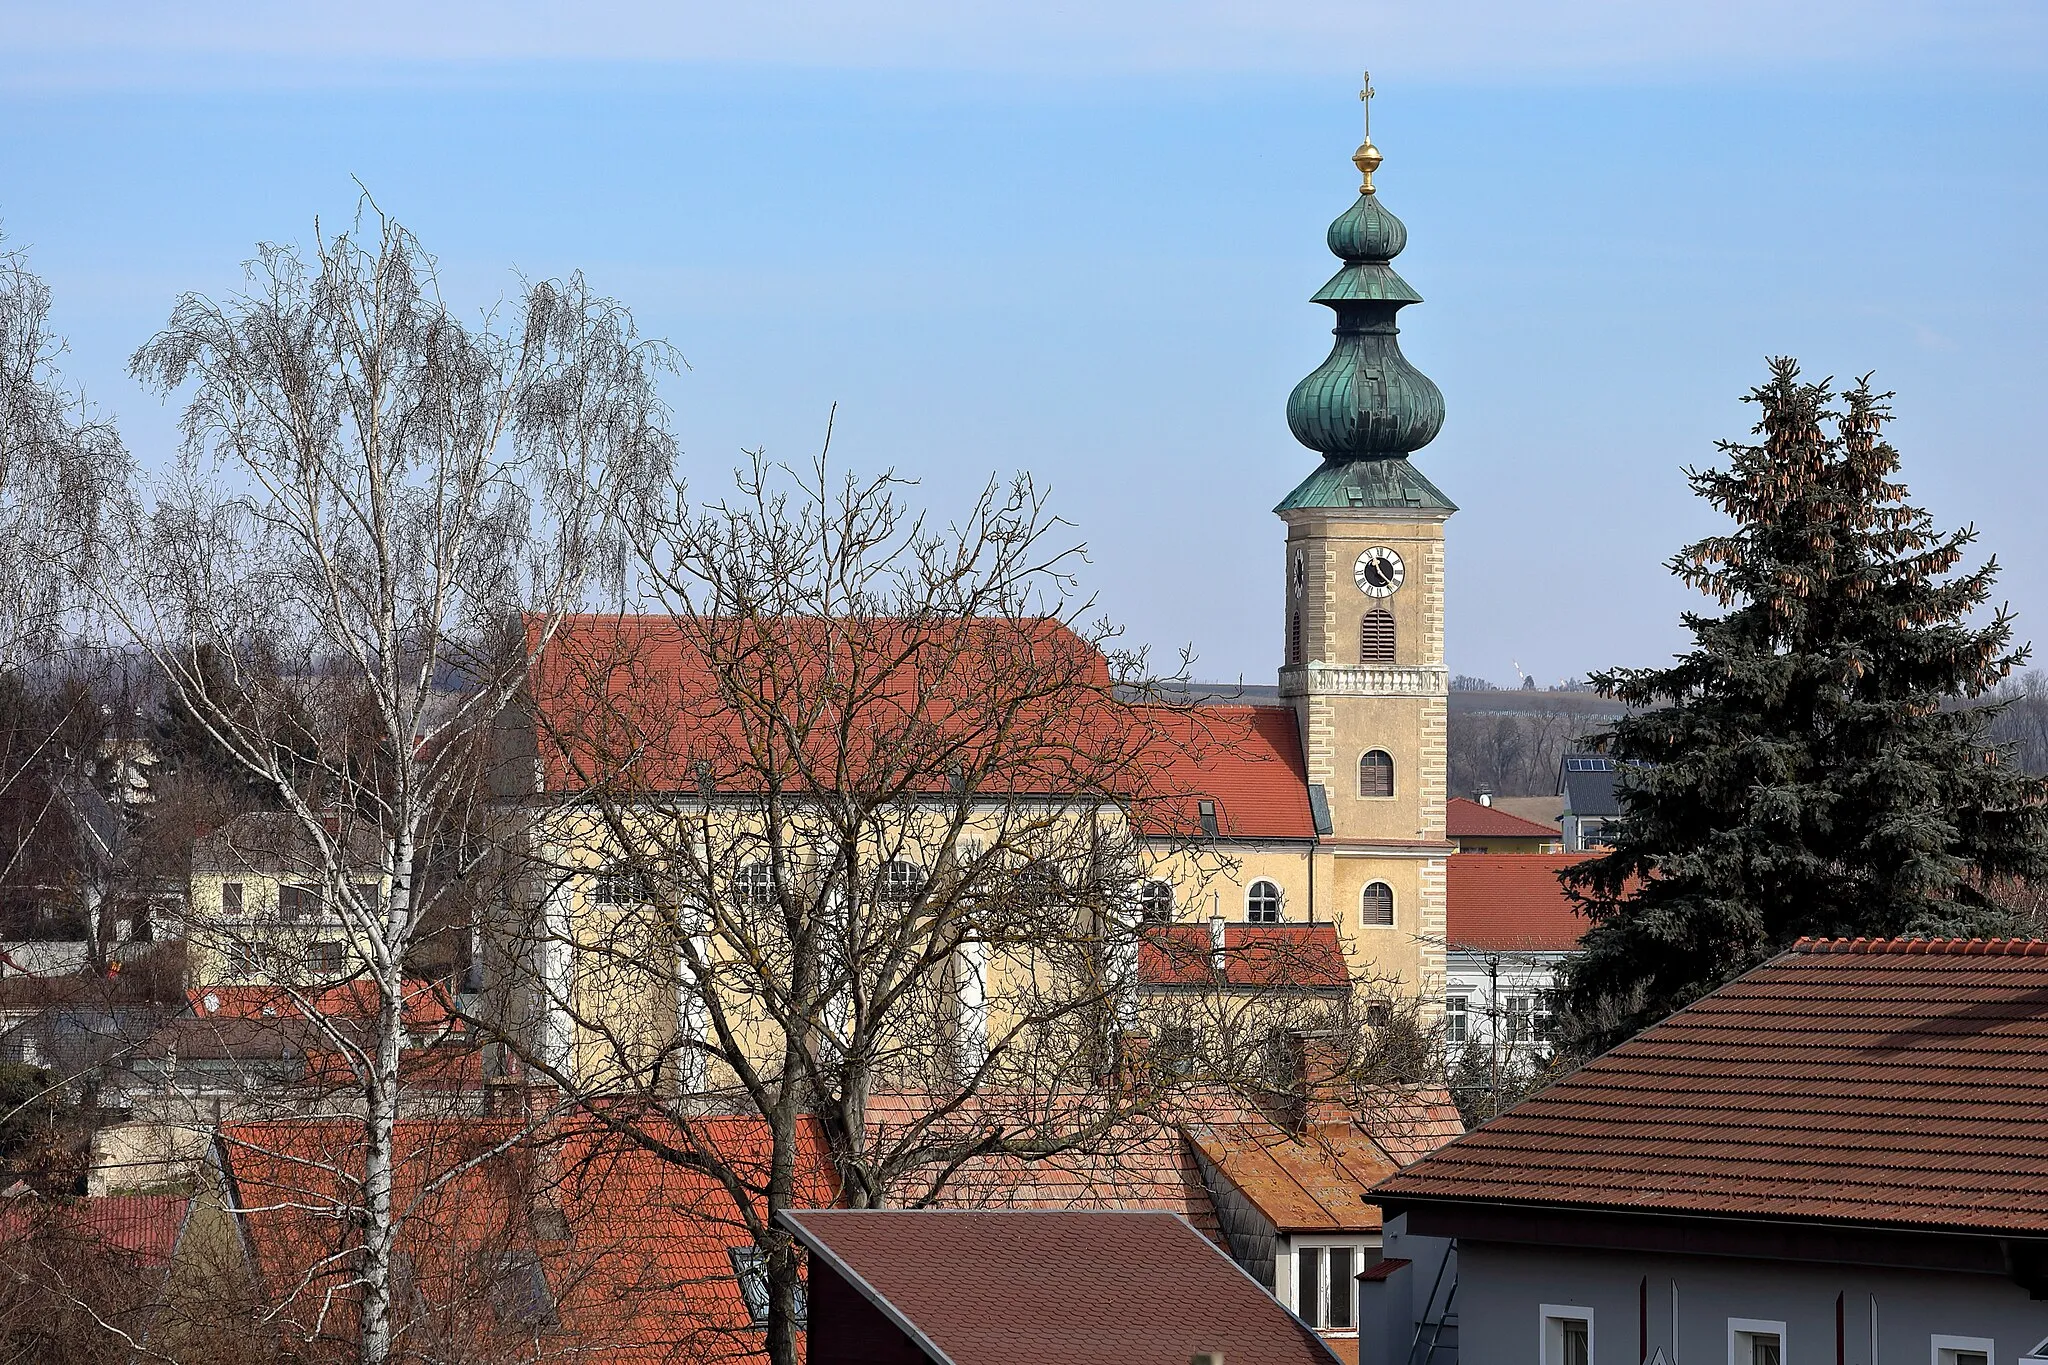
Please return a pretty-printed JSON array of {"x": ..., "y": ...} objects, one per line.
[{"x": 140, "y": 41}]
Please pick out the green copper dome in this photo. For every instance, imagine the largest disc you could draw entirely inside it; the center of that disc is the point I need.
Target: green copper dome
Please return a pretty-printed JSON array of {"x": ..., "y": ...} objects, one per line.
[{"x": 1366, "y": 402}]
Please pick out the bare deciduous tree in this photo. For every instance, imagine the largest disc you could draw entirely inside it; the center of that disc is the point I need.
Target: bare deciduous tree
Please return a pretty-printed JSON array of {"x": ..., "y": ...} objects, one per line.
[
  {"x": 847, "y": 818},
  {"x": 370, "y": 489}
]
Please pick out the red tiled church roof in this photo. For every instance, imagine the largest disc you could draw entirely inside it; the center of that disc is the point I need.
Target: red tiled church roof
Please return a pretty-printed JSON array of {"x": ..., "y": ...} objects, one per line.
[
  {"x": 1467, "y": 819},
  {"x": 1888, "y": 1082},
  {"x": 1024, "y": 705},
  {"x": 1510, "y": 902}
]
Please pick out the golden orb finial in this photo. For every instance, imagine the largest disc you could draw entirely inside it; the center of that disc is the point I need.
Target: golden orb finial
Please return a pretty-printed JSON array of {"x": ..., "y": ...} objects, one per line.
[{"x": 1367, "y": 158}]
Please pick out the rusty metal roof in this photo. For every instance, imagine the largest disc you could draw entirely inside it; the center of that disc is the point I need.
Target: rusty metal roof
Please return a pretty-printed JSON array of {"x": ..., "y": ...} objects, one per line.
[{"x": 1313, "y": 1181}]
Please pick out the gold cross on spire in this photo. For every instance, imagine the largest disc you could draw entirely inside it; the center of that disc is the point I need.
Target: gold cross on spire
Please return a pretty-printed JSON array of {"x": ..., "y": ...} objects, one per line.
[{"x": 1367, "y": 158}]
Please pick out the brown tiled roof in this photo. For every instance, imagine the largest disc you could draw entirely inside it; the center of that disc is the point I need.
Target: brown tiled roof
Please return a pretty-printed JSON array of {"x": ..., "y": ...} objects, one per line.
[
  {"x": 1510, "y": 901},
  {"x": 1887, "y": 1082},
  {"x": 1467, "y": 819},
  {"x": 1313, "y": 1181},
  {"x": 1040, "y": 1288}
]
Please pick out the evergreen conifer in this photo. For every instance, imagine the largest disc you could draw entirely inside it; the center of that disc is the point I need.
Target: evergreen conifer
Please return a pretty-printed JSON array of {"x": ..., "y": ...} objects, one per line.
[{"x": 1818, "y": 762}]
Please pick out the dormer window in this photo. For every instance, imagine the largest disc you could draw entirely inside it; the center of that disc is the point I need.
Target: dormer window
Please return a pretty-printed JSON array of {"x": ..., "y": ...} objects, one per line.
[{"x": 1325, "y": 1285}]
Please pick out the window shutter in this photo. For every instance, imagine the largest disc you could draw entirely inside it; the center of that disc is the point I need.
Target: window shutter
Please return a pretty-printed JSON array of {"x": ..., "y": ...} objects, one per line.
[
  {"x": 1376, "y": 904},
  {"x": 1376, "y": 637},
  {"x": 1375, "y": 773}
]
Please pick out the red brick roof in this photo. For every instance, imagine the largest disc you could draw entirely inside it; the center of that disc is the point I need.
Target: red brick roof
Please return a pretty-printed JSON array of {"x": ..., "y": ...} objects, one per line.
[
  {"x": 1040, "y": 1288},
  {"x": 1467, "y": 819},
  {"x": 1888, "y": 1082},
  {"x": 909, "y": 702},
  {"x": 144, "y": 1226},
  {"x": 1311, "y": 1181},
  {"x": 1510, "y": 901},
  {"x": 1255, "y": 956},
  {"x": 634, "y": 1248}
]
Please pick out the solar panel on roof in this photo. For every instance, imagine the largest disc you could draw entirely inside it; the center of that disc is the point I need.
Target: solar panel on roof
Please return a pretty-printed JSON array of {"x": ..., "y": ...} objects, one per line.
[{"x": 1589, "y": 765}]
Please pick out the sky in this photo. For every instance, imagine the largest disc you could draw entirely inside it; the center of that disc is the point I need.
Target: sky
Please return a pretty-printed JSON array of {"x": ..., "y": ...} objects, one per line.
[{"x": 1079, "y": 240}]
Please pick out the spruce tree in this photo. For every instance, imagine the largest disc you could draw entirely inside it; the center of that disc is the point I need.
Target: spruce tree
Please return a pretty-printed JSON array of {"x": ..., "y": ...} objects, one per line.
[{"x": 1818, "y": 762}]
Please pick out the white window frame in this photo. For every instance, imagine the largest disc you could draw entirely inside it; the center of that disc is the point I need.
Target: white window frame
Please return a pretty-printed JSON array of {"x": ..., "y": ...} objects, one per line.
[
  {"x": 1739, "y": 1328},
  {"x": 1458, "y": 1018},
  {"x": 1359, "y": 1261},
  {"x": 1279, "y": 903},
  {"x": 1938, "y": 1343},
  {"x": 1558, "y": 1314}
]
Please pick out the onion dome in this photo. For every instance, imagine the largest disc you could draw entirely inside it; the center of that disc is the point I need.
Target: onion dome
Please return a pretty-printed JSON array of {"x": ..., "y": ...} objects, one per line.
[{"x": 1366, "y": 402}]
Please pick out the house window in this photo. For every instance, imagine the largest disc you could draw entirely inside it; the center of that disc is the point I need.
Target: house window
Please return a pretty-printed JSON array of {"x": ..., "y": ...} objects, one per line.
[
  {"x": 1155, "y": 901},
  {"x": 1375, "y": 773},
  {"x": 1376, "y": 904},
  {"x": 1592, "y": 834},
  {"x": 1262, "y": 903},
  {"x": 1457, "y": 1024},
  {"x": 520, "y": 1296},
  {"x": 899, "y": 882},
  {"x": 1177, "y": 1050},
  {"x": 1376, "y": 637},
  {"x": 1325, "y": 1286},
  {"x": 1752, "y": 1341},
  {"x": 1294, "y": 640},
  {"x": 231, "y": 898},
  {"x": 1520, "y": 1012},
  {"x": 754, "y": 885},
  {"x": 620, "y": 886},
  {"x": 1567, "y": 1334},
  {"x": 368, "y": 894},
  {"x": 1206, "y": 810},
  {"x": 1963, "y": 1351},
  {"x": 323, "y": 959}
]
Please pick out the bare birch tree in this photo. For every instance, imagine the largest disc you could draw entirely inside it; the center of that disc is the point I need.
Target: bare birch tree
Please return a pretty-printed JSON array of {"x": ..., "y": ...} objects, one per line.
[
  {"x": 847, "y": 819},
  {"x": 370, "y": 489}
]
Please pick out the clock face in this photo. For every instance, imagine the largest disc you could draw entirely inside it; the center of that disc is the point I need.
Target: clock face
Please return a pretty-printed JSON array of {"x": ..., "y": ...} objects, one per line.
[
  {"x": 1379, "y": 572},
  {"x": 1300, "y": 573}
]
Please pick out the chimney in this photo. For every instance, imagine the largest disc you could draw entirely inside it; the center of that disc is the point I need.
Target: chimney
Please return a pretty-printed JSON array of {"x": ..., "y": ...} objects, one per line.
[
  {"x": 1320, "y": 1090},
  {"x": 1217, "y": 958}
]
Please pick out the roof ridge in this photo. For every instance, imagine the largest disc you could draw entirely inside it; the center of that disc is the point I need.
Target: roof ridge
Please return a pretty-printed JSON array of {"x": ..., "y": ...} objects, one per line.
[{"x": 1933, "y": 947}]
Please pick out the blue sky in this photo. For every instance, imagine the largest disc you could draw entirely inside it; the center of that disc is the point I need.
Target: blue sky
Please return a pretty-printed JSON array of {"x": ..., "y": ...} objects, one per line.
[{"x": 1080, "y": 240}]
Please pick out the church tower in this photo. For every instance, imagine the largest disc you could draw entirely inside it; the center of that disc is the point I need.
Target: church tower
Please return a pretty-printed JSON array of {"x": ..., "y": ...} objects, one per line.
[{"x": 1362, "y": 632}]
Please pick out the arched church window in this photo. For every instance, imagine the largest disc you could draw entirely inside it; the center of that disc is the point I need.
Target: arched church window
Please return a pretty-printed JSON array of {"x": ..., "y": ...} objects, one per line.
[
  {"x": 1155, "y": 901},
  {"x": 898, "y": 882},
  {"x": 1376, "y": 637},
  {"x": 1375, "y": 773},
  {"x": 1262, "y": 902},
  {"x": 1376, "y": 904},
  {"x": 754, "y": 884},
  {"x": 1294, "y": 640}
]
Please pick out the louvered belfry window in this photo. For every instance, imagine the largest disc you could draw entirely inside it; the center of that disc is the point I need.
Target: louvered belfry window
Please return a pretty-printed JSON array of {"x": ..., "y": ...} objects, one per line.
[
  {"x": 1375, "y": 773},
  {"x": 1376, "y": 637},
  {"x": 1294, "y": 640},
  {"x": 1376, "y": 905}
]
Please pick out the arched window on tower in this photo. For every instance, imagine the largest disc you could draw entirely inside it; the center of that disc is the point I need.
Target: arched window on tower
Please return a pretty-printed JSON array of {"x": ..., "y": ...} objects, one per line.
[
  {"x": 1294, "y": 639},
  {"x": 1376, "y": 637},
  {"x": 1375, "y": 773},
  {"x": 1376, "y": 904},
  {"x": 1262, "y": 902}
]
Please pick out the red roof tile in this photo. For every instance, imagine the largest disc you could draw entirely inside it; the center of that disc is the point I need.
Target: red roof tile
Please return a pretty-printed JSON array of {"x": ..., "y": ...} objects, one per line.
[
  {"x": 610, "y": 687},
  {"x": 1467, "y": 819},
  {"x": 145, "y": 1226},
  {"x": 1890, "y": 1082},
  {"x": 634, "y": 1248},
  {"x": 1268, "y": 956},
  {"x": 1510, "y": 901},
  {"x": 424, "y": 1005},
  {"x": 1055, "y": 1288}
]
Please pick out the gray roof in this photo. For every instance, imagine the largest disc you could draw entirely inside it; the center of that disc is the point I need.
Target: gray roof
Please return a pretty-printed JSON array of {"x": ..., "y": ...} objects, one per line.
[{"x": 1586, "y": 782}]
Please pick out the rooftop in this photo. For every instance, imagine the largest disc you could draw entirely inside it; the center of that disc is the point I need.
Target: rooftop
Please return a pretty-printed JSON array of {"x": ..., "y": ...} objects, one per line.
[
  {"x": 1311, "y": 1181},
  {"x": 1053, "y": 1288},
  {"x": 1255, "y": 956},
  {"x": 1504, "y": 902},
  {"x": 1468, "y": 819},
  {"x": 1896, "y": 1083}
]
